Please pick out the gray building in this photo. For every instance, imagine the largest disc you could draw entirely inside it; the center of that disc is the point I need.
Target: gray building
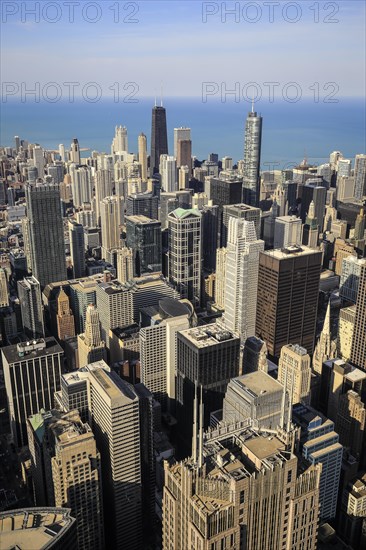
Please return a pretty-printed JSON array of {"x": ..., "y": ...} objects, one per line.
[
  {"x": 144, "y": 238},
  {"x": 142, "y": 204},
  {"x": 252, "y": 158},
  {"x": 243, "y": 211},
  {"x": 30, "y": 299},
  {"x": 77, "y": 248}
]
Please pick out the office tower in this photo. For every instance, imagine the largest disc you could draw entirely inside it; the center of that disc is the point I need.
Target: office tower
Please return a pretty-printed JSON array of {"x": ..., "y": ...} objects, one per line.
[
  {"x": 210, "y": 222},
  {"x": 184, "y": 154},
  {"x": 142, "y": 148},
  {"x": 120, "y": 141},
  {"x": 342, "y": 249},
  {"x": 325, "y": 171},
  {"x": 350, "y": 422},
  {"x": 172, "y": 201},
  {"x": 82, "y": 293},
  {"x": 207, "y": 356},
  {"x": 185, "y": 253},
  {"x": 32, "y": 372},
  {"x": 339, "y": 228},
  {"x": 91, "y": 347},
  {"x": 56, "y": 171},
  {"x": 142, "y": 204},
  {"x": 319, "y": 443},
  {"x": 360, "y": 177},
  {"x": 234, "y": 494},
  {"x": 345, "y": 188},
  {"x": 242, "y": 211},
  {"x": 143, "y": 237},
  {"x": 246, "y": 401},
  {"x": 225, "y": 190},
  {"x": 252, "y": 158},
  {"x": 77, "y": 248},
  {"x": 288, "y": 286},
  {"x": 287, "y": 231},
  {"x": 61, "y": 150},
  {"x": 280, "y": 196},
  {"x": 65, "y": 318},
  {"x": 350, "y": 276},
  {"x": 39, "y": 160},
  {"x": 351, "y": 523},
  {"x": 158, "y": 345},
  {"x": 346, "y": 325},
  {"x": 114, "y": 303},
  {"x": 81, "y": 185},
  {"x": 17, "y": 143},
  {"x": 111, "y": 219},
  {"x": 75, "y": 152},
  {"x": 4, "y": 293},
  {"x": 358, "y": 353},
  {"x": 159, "y": 138},
  {"x": 66, "y": 462},
  {"x": 330, "y": 216},
  {"x": 124, "y": 412},
  {"x": 46, "y": 233},
  {"x": 86, "y": 217},
  {"x": 227, "y": 163},
  {"x": 221, "y": 258},
  {"x": 147, "y": 291},
  {"x": 360, "y": 225},
  {"x": 168, "y": 171},
  {"x": 103, "y": 189},
  {"x": 180, "y": 134},
  {"x": 53, "y": 528},
  {"x": 30, "y": 299},
  {"x": 242, "y": 260},
  {"x": 325, "y": 348},
  {"x": 125, "y": 264},
  {"x": 183, "y": 177},
  {"x": 294, "y": 373},
  {"x": 343, "y": 168},
  {"x": 333, "y": 159},
  {"x": 254, "y": 355},
  {"x": 317, "y": 194}
]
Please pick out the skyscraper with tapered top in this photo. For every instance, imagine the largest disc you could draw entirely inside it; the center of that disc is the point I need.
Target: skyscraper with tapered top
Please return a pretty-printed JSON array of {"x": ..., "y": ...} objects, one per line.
[
  {"x": 252, "y": 158},
  {"x": 159, "y": 137},
  {"x": 91, "y": 347},
  {"x": 65, "y": 318}
]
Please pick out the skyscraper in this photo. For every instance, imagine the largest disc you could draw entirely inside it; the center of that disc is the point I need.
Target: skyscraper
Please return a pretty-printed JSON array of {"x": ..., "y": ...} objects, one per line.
[
  {"x": 111, "y": 216},
  {"x": 81, "y": 184},
  {"x": 159, "y": 138},
  {"x": 184, "y": 154},
  {"x": 46, "y": 233},
  {"x": 143, "y": 236},
  {"x": 4, "y": 293},
  {"x": 125, "y": 271},
  {"x": 168, "y": 171},
  {"x": 249, "y": 213},
  {"x": 181, "y": 133},
  {"x": 91, "y": 347},
  {"x": 114, "y": 303},
  {"x": 242, "y": 261},
  {"x": 120, "y": 143},
  {"x": 294, "y": 372},
  {"x": 30, "y": 299},
  {"x": 358, "y": 352},
  {"x": 77, "y": 248},
  {"x": 288, "y": 287},
  {"x": 65, "y": 318},
  {"x": 360, "y": 177},
  {"x": 75, "y": 151},
  {"x": 185, "y": 253},
  {"x": 38, "y": 160},
  {"x": 103, "y": 189},
  {"x": 287, "y": 231},
  {"x": 32, "y": 372},
  {"x": 143, "y": 155},
  {"x": 252, "y": 158}
]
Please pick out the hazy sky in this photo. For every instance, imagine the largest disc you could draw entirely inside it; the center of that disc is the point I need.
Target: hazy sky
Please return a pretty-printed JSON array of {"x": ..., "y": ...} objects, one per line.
[{"x": 169, "y": 42}]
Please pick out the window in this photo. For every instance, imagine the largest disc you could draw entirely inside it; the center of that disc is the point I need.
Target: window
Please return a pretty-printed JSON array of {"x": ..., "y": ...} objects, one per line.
[{"x": 241, "y": 497}]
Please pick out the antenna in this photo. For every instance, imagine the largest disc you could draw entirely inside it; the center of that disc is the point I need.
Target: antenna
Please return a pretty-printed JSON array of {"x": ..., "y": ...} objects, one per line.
[
  {"x": 252, "y": 104},
  {"x": 161, "y": 94}
]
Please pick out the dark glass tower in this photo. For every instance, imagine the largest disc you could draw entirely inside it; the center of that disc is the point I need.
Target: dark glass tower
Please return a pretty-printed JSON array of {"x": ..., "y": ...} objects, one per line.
[
  {"x": 252, "y": 158},
  {"x": 159, "y": 138}
]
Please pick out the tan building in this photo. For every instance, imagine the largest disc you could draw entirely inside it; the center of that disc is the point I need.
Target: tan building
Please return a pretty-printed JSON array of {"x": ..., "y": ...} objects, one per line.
[
  {"x": 358, "y": 350},
  {"x": 111, "y": 218},
  {"x": 65, "y": 318},
  {"x": 342, "y": 250},
  {"x": 294, "y": 372},
  {"x": 345, "y": 331},
  {"x": 350, "y": 422},
  {"x": 91, "y": 347},
  {"x": 242, "y": 491},
  {"x": 352, "y": 520},
  {"x": 4, "y": 294},
  {"x": 142, "y": 156},
  {"x": 220, "y": 277},
  {"x": 125, "y": 264}
]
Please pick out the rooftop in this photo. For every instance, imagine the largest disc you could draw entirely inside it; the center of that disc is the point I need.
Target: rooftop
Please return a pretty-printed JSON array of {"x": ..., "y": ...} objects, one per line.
[
  {"x": 257, "y": 383},
  {"x": 140, "y": 219},
  {"x": 290, "y": 252},
  {"x": 18, "y": 352},
  {"x": 207, "y": 335}
]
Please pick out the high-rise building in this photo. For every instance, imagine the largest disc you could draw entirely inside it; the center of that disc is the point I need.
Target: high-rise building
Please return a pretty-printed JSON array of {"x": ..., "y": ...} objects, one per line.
[
  {"x": 351, "y": 524},
  {"x": 159, "y": 138},
  {"x": 325, "y": 348},
  {"x": 210, "y": 222},
  {"x": 124, "y": 412},
  {"x": 56, "y": 171},
  {"x": 65, "y": 318},
  {"x": 344, "y": 167},
  {"x": 184, "y": 154},
  {"x": 115, "y": 307},
  {"x": 4, "y": 293},
  {"x": 317, "y": 194},
  {"x": 103, "y": 188},
  {"x": 241, "y": 489},
  {"x": 77, "y": 248},
  {"x": 75, "y": 152},
  {"x": 46, "y": 233},
  {"x": 168, "y": 171},
  {"x": 38, "y": 160},
  {"x": 254, "y": 355},
  {"x": 81, "y": 185},
  {"x": 345, "y": 188},
  {"x": 358, "y": 353},
  {"x": 180, "y": 134},
  {"x": 142, "y": 148},
  {"x": 142, "y": 204},
  {"x": 111, "y": 218},
  {"x": 32, "y": 372},
  {"x": 346, "y": 327},
  {"x": 120, "y": 142},
  {"x": 143, "y": 237},
  {"x": 185, "y": 253},
  {"x": 125, "y": 271},
  {"x": 91, "y": 347},
  {"x": 287, "y": 231},
  {"x": 221, "y": 257},
  {"x": 319, "y": 443},
  {"x": 360, "y": 177},
  {"x": 242, "y": 261},
  {"x": 66, "y": 462},
  {"x": 360, "y": 226},
  {"x": 243, "y": 211},
  {"x": 252, "y": 158},
  {"x": 310, "y": 233},
  {"x": 288, "y": 287},
  {"x": 30, "y": 299},
  {"x": 207, "y": 356},
  {"x": 82, "y": 293},
  {"x": 350, "y": 423},
  {"x": 294, "y": 373}
]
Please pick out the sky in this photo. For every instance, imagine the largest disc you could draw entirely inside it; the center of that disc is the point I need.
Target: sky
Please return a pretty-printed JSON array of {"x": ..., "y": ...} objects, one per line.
[{"x": 190, "y": 48}]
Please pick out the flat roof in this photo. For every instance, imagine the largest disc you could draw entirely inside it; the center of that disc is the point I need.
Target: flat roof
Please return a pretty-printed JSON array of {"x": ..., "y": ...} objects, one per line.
[
  {"x": 263, "y": 447},
  {"x": 208, "y": 335},
  {"x": 11, "y": 353},
  {"x": 141, "y": 219},
  {"x": 258, "y": 382},
  {"x": 290, "y": 252}
]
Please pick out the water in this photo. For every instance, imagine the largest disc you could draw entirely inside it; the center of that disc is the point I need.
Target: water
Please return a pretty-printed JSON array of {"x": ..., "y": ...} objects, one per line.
[{"x": 290, "y": 131}]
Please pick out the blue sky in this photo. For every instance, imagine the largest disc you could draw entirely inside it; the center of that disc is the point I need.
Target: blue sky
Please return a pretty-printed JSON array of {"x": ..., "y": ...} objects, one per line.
[{"x": 170, "y": 43}]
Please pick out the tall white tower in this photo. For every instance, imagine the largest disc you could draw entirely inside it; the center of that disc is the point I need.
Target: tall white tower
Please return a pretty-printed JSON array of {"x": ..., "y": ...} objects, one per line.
[{"x": 120, "y": 143}]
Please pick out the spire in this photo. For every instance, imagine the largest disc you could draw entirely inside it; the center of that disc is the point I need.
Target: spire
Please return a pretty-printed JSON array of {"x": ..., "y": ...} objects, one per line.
[
  {"x": 253, "y": 105},
  {"x": 311, "y": 213},
  {"x": 161, "y": 94},
  {"x": 326, "y": 327}
]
